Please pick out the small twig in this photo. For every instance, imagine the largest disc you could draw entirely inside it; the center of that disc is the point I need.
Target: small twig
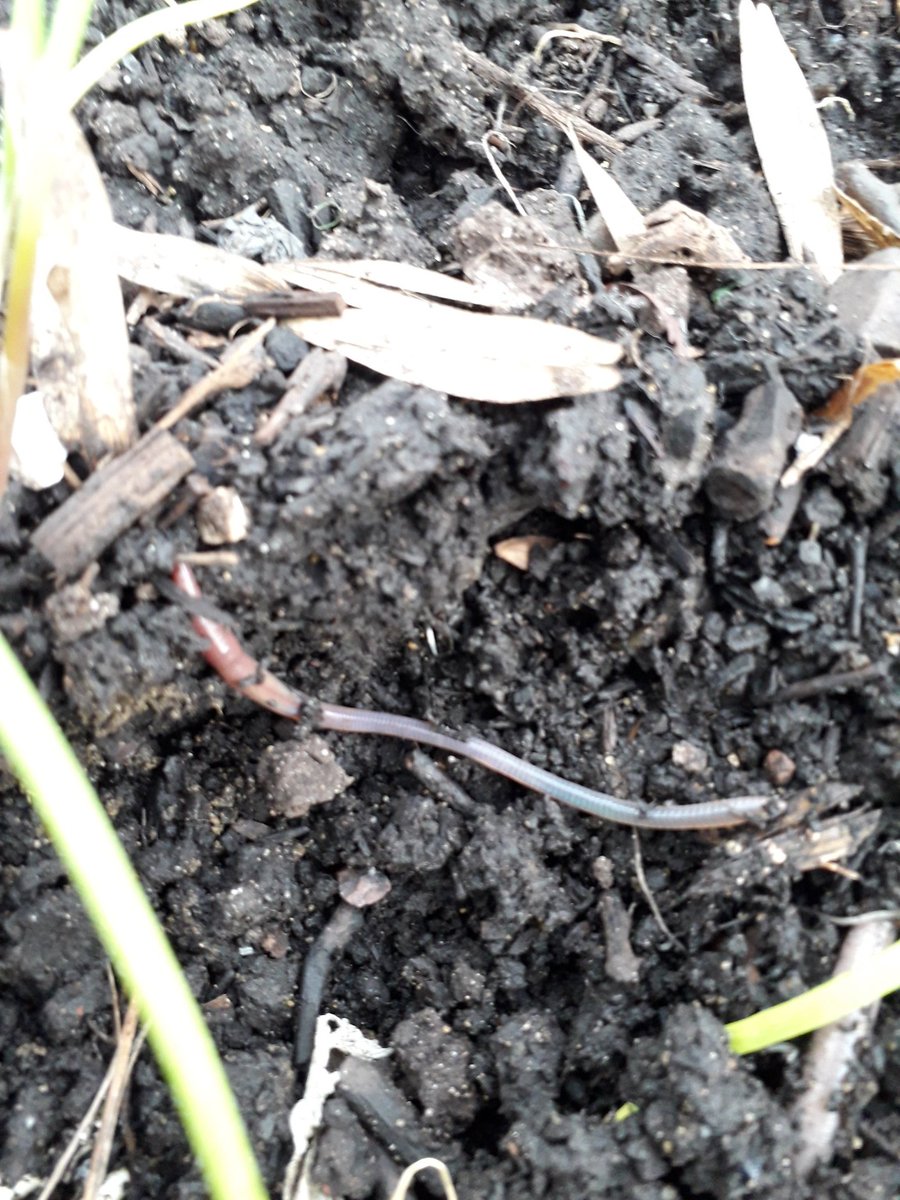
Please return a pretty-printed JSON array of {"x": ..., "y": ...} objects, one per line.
[
  {"x": 561, "y": 117},
  {"x": 240, "y": 365},
  {"x": 123, "y": 1061},
  {"x": 648, "y": 895},
  {"x": 859, "y": 545},
  {"x": 833, "y": 681},
  {"x": 319, "y": 373},
  {"x": 210, "y": 558},
  {"x": 358, "y": 890},
  {"x": 439, "y": 782},
  {"x": 495, "y": 167},
  {"x": 78, "y": 1138}
]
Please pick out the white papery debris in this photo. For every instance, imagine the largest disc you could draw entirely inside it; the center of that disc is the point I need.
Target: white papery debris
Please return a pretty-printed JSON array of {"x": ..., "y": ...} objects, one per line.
[{"x": 38, "y": 456}]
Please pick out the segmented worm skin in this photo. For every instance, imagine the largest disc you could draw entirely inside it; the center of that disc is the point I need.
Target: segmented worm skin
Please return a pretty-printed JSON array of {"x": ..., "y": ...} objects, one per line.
[{"x": 225, "y": 655}]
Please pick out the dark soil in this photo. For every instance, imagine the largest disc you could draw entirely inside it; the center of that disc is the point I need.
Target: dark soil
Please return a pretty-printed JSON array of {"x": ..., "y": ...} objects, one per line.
[{"x": 645, "y": 651}]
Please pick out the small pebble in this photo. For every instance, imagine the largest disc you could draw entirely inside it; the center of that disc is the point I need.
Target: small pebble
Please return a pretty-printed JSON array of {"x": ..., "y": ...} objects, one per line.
[
  {"x": 779, "y": 768},
  {"x": 810, "y": 553},
  {"x": 690, "y": 758},
  {"x": 222, "y": 518}
]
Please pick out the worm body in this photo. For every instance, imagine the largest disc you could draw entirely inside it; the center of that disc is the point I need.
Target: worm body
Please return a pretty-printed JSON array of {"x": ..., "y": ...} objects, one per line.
[{"x": 225, "y": 655}]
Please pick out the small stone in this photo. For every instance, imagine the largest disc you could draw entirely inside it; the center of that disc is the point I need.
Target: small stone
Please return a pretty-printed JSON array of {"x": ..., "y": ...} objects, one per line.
[
  {"x": 752, "y": 636},
  {"x": 747, "y": 467},
  {"x": 810, "y": 553},
  {"x": 770, "y": 593},
  {"x": 689, "y": 757},
  {"x": 360, "y": 889},
  {"x": 779, "y": 768},
  {"x": 822, "y": 507},
  {"x": 868, "y": 302},
  {"x": 222, "y": 518}
]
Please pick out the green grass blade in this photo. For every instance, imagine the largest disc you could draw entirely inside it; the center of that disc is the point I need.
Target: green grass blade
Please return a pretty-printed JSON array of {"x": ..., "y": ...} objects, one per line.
[
  {"x": 124, "y": 41},
  {"x": 822, "y": 1005},
  {"x": 112, "y": 895}
]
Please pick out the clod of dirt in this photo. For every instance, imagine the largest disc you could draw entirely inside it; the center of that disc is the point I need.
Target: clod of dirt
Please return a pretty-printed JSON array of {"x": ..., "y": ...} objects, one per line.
[
  {"x": 437, "y": 1062},
  {"x": 299, "y": 775}
]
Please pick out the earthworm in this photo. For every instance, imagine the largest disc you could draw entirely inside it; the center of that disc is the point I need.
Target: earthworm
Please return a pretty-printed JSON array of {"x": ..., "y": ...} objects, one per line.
[{"x": 225, "y": 655}]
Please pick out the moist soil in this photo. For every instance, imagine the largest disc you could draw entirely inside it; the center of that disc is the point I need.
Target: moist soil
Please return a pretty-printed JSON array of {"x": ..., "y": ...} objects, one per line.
[{"x": 655, "y": 646}]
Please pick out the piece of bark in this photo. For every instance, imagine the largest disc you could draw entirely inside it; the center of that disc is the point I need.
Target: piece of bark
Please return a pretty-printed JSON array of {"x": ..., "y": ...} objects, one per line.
[
  {"x": 110, "y": 501},
  {"x": 745, "y": 472}
]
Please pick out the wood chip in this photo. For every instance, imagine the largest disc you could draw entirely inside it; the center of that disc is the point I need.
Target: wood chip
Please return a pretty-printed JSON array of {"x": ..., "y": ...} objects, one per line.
[{"x": 111, "y": 501}]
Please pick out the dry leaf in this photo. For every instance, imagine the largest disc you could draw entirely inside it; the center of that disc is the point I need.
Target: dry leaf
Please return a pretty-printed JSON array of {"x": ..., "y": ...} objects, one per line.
[
  {"x": 791, "y": 142},
  {"x": 621, "y": 217},
  {"x": 873, "y": 233},
  {"x": 859, "y": 387},
  {"x": 473, "y": 355},
  {"x": 476, "y": 356},
  {"x": 80, "y": 352},
  {"x": 681, "y": 234}
]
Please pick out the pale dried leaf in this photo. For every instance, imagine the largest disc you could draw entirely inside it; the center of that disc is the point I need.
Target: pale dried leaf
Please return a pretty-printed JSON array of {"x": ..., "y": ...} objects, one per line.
[
  {"x": 476, "y": 356},
  {"x": 622, "y": 218},
  {"x": 409, "y": 278},
  {"x": 680, "y": 234},
  {"x": 791, "y": 142},
  {"x": 80, "y": 351},
  {"x": 179, "y": 267},
  {"x": 473, "y": 355}
]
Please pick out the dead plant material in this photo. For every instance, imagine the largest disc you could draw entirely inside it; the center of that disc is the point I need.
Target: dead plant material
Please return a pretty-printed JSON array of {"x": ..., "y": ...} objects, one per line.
[
  {"x": 796, "y": 847},
  {"x": 242, "y": 362},
  {"x": 518, "y": 258},
  {"x": 621, "y": 217},
  {"x": 665, "y": 68},
  {"x": 80, "y": 349},
  {"x": 839, "y": 413},
  {"x": 111, "y": 500},
  {"x": 834, "y": 681},
  {"x": 870, "y": 207},
  {"x": 122, "y": 1063},
  {"x": 677, "y": 235},
  {"x": 833, "y": 1053},
  {"x": 858, "y": 388},
  {"x": 473, "y": 355},
  {"x": 791, "y": 142},
  {"x": 534, "y": 99},
  {"x": 321, "y": 373}
]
